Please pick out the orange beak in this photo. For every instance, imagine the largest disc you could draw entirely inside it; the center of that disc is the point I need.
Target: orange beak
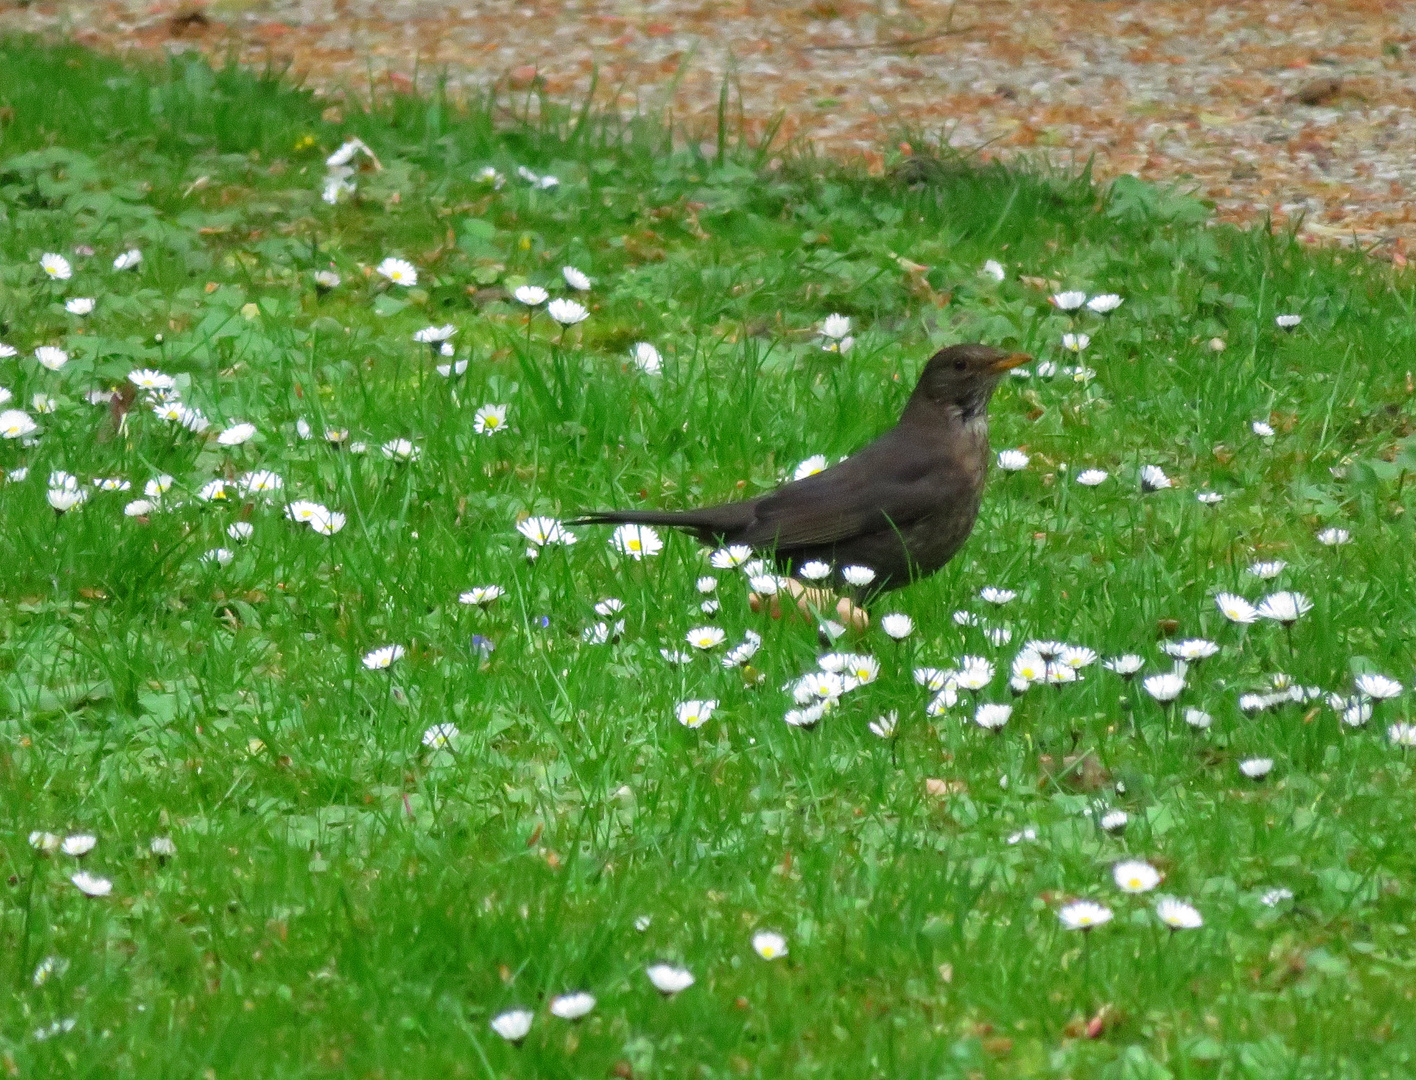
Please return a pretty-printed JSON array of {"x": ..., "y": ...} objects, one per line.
[{"x": 1012, "y": 361}]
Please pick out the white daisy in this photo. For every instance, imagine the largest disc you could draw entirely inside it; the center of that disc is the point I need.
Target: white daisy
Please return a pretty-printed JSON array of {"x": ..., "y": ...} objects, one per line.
[
  {"x": 769, "y": 945},
  {"x": 147, "y": 379},
  {"x": 1198, "y": 719},
  {"x": 1236, "y": 609},
  {"x": 576, "y": 279},
  {"x": 1135, "y": 876},
  {"x": 1261, "y": 429},
  {"x": 398, "y": 271},
  {"x": 513, "y": 1025},
  {"x": 572, "y": 1006},
  {"x": 1267, "y": 570},
  {"x": 1068, "y": 301},
  {"x": 1334, "y": 537},
  {"x": 1285, "y": 607},
  {"x": 1092, "y": 477},
  {"x": 1287, "y": 322},
  {"x": 16, "y": 424},
  {"x": 56, "y": 266},
  {"x": 1153, "y": 478},
  {"x": 384, "y": 657},
  {"x": 237, "y": 434},
  {"x": 730, "y": 557},
  {"x": 78, "y": 845},
  {"x": 897, "y": 625},
  {"x": 326, "y": 280},
  {"x": 636, "y": 541},
  {"x": 439, "y": 735},
  {"x": 1083, "y": 915},
  {"x": 992, "y": 268},
  {"x": 706, "y": 637},
  {"x": 1178, "y": 915},
  {"x": 531, "y": 295},
  {"x": 646, "y": 358},
  {"x": 51, "y": 357},
  {"x": 995, "y": 595},
  {"x": 545, "y": 530},
  {"x": 859, "y": 576},
  {"x": 1105, "y": 303},
  {"x": 79, "y": 305},
  {"x": 810, "y": 467},
  {"x": 434, "y": 335},
  {"x": 481, "y": 595},
  {"x": 240, "y": 530},
  {"x": 669, "y": 980},
  {"x": 1165, "y": 687},
  {"x": 1256, "y": 768},
  {"x": 885, "y": 726},
  {"x": 1075, "y": 342},
  {"x": 91, "y": 884},
  {"x": 836, "y": 327},
  {"x": 489, "y": 419},
  {"x": 1012, "y": 460},
  {"x": 129, "y": 260},
  {"x": 567, "y": 312},
  {"x": 694, "y": 714},
  {"x": 992, "y": 717}
]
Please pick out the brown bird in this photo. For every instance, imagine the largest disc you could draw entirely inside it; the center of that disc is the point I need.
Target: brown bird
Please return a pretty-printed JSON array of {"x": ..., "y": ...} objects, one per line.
[{"x": 903, "y": 505}]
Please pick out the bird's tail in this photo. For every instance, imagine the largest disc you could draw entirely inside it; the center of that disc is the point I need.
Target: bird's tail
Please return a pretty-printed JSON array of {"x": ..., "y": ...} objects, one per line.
[{"x": 708, "y": 523}]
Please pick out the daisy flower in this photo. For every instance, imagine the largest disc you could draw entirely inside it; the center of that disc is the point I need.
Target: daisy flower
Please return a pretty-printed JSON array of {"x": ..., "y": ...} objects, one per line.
[
  {"x": 260, "y": 482},
  {"x": 992, "y": 717},
  {"x": 64, "y": 499},
  {"x": 1334, "y": 537},
  {"x": 545, "y": 530},
  {"x": 16, "y": 424},
  {"x": 992, "y": 268},
  {"x": 859, "y": 576},
  {"x": 1177, "y": 914},
  {"x": 1274, "y": 897},
  {"x": 576, "y": 279},
  {"x": 995, "y": 595},
  {"x": 531, "y": 295},
  {"x": 1287, "y": 322},
  {"x": 836, "y": 327},
  {"x": 1165, "y": 687},
  {"x": 646, "y": 358},
  {"x": 1209, "y": 498},
  {"x": 1378, "y": 686},
  {"x": 91, "y": 884},
  {"x": 1092, "y": 477},
  {"x": 326, "y": 522},
  {"x": 1267, "y": 570},
  {"x": 400, "y": 450},
  {"x": 51, "y": 357},
  {"x": 1256, "y": 768},
  {"x": 384, "y": 657},
  {"x": 147, "y": 379},
  {"x": 1105, "y": 303},
  {"x": 1068, "y": 301},
  {"x": 1135, "y": 876},
  {"x": 79, "y": 305},
  {"x": 237, "y": 434},
  {"x": 730, "y": 557},
  {"x": 1114, "y": 821},
  {"x": 669, "y": 980},
  {"x": 810, "y": 467},
  {"x": 897, "y": 625},
  {"x": 1261, "y": 429},
  {"x": 1285, "y": 607},
  {"x": 769, "y": 945},
  {"x": 78, "y": 845},
  {"x": 240, "y": 530},
  {"x": 885, "y": 726},
  {"x": 1083, "y": 915},
  {"x": 1236, "y": 609},
  {"x": 129, "y": 260},
  {"x": 706, "y": 637},
  {"x": 694, "y": 714},
  {"x": 1198, "y": 719},
  {"x": 398, "y": 271},
  {"x": 1075, "y": 342},
  {"x": 481, "y": 595},
  {"x": 1403, "y": 735},
  {"x": 1012, "y": 460},
  {"x": 489, "y": 419},
  {"x": 1191, "y": 649},
  {"x": 220, "y": 556},
  {"x": 56, "y": 266},
  {"x": 513, "y": 1025},
  {"x": 808, "y": 717},
  {"x": 434, "y": 335},
  {"x": 636, "y": 541},
  {"x": 567, "y": 312},
  {"x": 439, "y": 735},
  {"x": 447, "y": 371},
  {"x": 572, "y": 1006},
  {"x": 325, "y": 280},
  {"x": 1153, "y": 478}
]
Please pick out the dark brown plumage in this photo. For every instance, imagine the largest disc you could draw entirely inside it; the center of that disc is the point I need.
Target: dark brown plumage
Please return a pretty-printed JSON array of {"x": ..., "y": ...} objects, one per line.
[{"x": 903, "y": 505}]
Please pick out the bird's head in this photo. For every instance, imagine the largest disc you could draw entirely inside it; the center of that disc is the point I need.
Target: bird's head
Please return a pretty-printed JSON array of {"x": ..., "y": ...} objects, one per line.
[{"x": 964, "y": 376}]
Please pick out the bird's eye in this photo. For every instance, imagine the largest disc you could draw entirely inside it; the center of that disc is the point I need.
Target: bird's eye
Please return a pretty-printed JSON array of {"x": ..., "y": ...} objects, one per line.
[{"x": 959, "y": 365}]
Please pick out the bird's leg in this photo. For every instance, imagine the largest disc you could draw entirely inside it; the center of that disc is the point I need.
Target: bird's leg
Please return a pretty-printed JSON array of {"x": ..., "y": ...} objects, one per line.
[{"x": 811, "y": 602}]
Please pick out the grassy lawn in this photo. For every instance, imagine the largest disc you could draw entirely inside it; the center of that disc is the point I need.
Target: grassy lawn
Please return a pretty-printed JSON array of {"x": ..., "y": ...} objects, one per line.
[{"x": 317, "y": 866}]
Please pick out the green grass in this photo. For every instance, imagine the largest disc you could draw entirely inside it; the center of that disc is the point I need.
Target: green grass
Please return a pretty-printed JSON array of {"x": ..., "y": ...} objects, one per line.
[{"x": 345, "y": 901}]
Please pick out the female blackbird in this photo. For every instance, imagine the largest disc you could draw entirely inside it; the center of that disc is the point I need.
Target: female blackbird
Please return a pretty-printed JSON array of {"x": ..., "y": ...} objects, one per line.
[{"x": 901, "y": 506}]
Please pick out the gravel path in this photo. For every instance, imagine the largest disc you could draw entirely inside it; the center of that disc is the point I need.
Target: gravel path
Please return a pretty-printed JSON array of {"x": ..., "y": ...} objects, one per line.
[{"x": 1265, "y": 106}]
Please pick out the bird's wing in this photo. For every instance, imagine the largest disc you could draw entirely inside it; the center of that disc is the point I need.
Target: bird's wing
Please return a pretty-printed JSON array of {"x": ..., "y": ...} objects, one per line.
[{"x": 889, "y": 485}]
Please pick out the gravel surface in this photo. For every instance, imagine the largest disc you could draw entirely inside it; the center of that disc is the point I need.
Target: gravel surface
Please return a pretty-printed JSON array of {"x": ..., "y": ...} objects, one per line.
[{"x": 1267, "y": 107}]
